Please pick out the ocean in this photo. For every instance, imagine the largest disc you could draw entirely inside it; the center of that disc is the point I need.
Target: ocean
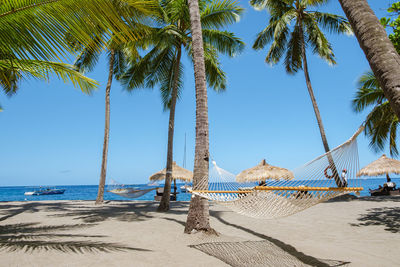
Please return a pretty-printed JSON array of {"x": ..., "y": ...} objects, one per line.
[{"x": 89, "y": 192}]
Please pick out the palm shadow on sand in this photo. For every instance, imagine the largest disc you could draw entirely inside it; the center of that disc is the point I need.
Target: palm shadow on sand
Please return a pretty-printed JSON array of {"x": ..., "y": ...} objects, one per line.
[
  {"x": 31, "y": 237},
  {"x": 87, "y": 212},
  {"x": 388, "y": 217}
]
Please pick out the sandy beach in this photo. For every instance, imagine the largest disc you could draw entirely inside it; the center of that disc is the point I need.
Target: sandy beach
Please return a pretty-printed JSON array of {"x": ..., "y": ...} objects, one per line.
[{"x": 360, "y": 232}]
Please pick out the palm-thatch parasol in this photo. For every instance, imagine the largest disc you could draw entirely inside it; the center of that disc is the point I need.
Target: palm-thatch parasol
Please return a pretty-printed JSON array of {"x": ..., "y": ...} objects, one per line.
[
  {"x": 262, "y": 172},
  {"x": 178, "y": 173},
  {"x": 383, "y": 165}
]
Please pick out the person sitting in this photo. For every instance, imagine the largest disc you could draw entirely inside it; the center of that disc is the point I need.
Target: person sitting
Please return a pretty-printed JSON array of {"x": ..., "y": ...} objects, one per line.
[{"x": 389, "y": 185}]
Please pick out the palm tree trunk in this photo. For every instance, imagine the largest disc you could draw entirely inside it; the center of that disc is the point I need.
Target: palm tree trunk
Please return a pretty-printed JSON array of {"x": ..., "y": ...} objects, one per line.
[
  {"x": 164, "y": 203},
  {"x": 100, "y": 193},
  {"x": 318, "y": 115},
  {"x": 198, "y": 215},
  {"x": 378, "y": 49}
]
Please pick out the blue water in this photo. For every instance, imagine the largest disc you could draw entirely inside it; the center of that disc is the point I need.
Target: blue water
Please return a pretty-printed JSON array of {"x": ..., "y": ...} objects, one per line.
[
  {"x": 89, "y": 192},
  {"x": 75, "y": 192}
]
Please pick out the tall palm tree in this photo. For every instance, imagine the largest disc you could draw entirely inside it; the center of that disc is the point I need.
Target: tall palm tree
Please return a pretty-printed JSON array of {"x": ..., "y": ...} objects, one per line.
[
  {"x": 198, "y": 215},
  {"x": 381, "y": 123},
  {"x": 162, "y": 64},
  {"x": 118, "y": 54},
  {"x": 86, "y": 61},
  {"x": 378, "y": 49},
  {"x": 293, "y": 40}
]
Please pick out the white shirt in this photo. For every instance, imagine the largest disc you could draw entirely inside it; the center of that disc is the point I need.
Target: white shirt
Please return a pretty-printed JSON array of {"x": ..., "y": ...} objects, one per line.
[
  {"x": 389, "y": 184},
  {"x": 344, "y": 177}
]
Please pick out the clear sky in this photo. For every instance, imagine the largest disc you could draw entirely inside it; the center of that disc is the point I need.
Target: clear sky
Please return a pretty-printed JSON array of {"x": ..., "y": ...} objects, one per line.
[{"x": 52, "y": 134}]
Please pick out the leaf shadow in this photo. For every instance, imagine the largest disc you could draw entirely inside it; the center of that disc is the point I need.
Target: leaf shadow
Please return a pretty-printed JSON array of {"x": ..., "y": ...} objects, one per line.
[
  {"x": 388, "y": 217},
  {"x": 31, "y": 237}
]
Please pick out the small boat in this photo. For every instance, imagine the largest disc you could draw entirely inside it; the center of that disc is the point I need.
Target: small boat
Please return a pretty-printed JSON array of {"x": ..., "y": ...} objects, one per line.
[{"x": 47, "y": 191}]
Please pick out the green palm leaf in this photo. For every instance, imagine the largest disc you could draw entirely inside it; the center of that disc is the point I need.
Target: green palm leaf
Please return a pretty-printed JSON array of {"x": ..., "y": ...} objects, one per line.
[
  {"x": 381, "y": 123},
  {"x": 219, "y": 14},
  {"x": 44, "y": 24},
  {"x": 13, "y": 71}
]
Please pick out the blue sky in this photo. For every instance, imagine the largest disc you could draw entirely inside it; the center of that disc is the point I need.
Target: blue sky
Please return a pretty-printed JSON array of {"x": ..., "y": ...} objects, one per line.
[{"x": 52, "y": 134}]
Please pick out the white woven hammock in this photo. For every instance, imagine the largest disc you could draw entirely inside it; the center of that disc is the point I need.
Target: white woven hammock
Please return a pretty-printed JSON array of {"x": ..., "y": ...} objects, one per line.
[
  {"x": 317, "y": 181},
  {"x": 128, "y": 192}
]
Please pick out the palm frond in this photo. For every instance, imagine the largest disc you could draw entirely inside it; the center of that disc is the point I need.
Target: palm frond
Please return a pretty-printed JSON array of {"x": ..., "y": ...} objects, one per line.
[
  {"x": 317, "y": 40},
  {"x": 136, "y": 72},
  {"x": 278, "y": 47},
  {"x": 88, "y": 57},
  {"x": 12, "y": 71},
  {"x": 294, "y": 56},
  {"x": 120, "y": 62},
  {"x": 167, "y": 83},
  {"x": 223, "y": 41},
  {"x": 220, "y": 13},
  {"x": 369, "y": 93},
  {"x": 280, "y": 28},
  {"x": 43, "y": 24},
  {"x": 216, "y": 77},
  {"x": 313, "y": 3},
  {"x": 265, "y": 36},
  {"x": 378, "y": 126},
  {"x": 333, "y": 23},
  {"x": 275, "y": 7},
  {"x": 368, "y": 80}
]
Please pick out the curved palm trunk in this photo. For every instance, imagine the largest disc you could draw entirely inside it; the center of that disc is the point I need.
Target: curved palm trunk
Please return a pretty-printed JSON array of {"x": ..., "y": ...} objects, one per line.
[
  {"x": 198, "y": 215},
  {"x": 318, "y": 116},
  {"x": 102, "y": 182},
  {"x": 164, "y": 203},
  {"x": 378, "y": 49}
]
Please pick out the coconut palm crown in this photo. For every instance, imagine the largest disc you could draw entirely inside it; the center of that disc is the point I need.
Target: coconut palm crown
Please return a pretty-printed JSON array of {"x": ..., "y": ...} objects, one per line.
[
  {"x": 381, "y": 123},
  {"x": 157, "y": 67},
  {"x": 294, "y": 25}
]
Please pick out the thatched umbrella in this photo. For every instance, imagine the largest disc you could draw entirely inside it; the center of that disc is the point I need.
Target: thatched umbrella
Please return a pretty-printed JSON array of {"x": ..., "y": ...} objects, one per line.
[
  {"x": 178, "y": 173},
  {"x": 383, "y": 165},
  {"x": 262, "y": 172}
]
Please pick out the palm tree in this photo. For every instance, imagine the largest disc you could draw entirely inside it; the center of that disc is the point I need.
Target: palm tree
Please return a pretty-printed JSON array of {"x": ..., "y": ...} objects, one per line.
[
  {"x": 378, "y": 49},
  {"x": 162, "y": 64},
  {"x": 116, "y": 66},
  {"x": 381, "y": 123},
  {"x": 293, "y": 40},
  {"x": 198, "y": 215},
  {"x": 118, "y": 55}
]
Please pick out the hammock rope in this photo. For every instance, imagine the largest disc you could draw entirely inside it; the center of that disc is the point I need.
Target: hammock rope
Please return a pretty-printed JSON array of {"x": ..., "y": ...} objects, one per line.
[{"x": 313, "y": 183}]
